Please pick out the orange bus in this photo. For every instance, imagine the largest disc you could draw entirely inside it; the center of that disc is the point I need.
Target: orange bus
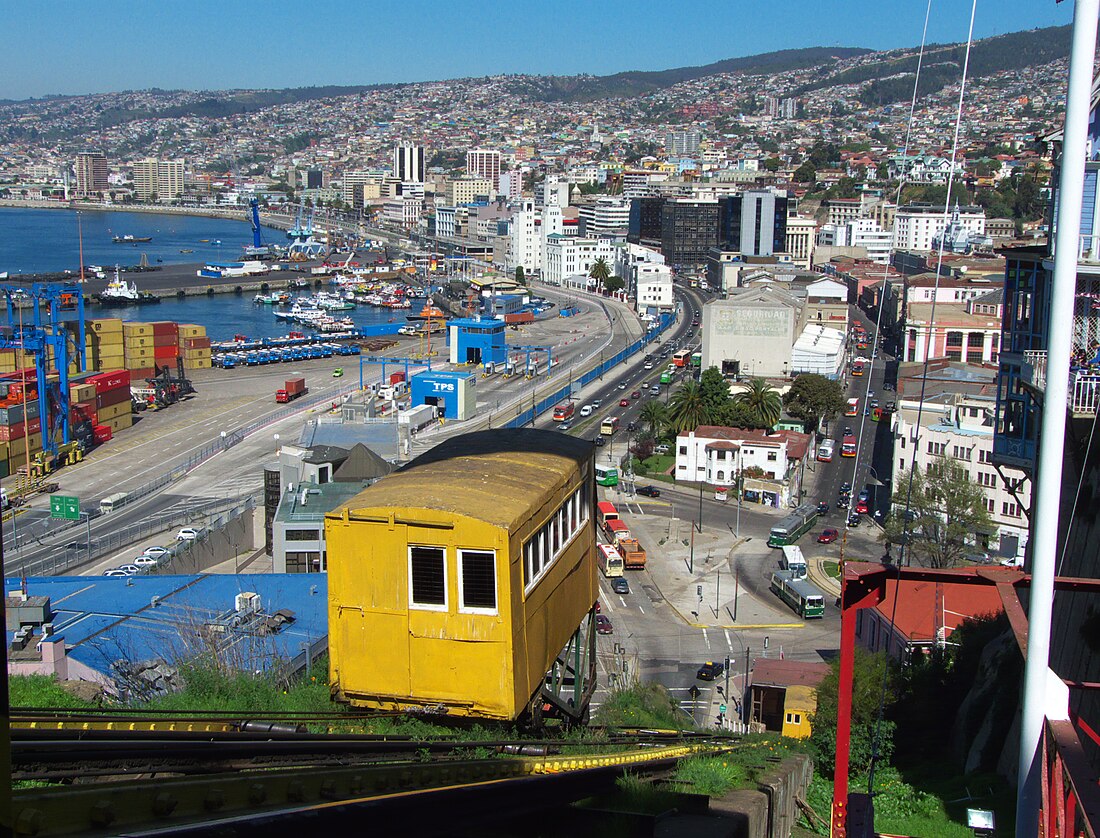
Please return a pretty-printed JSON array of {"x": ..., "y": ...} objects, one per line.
[
  {"x": 564, "y": 411},
  {"x": 853, "y": 408}
]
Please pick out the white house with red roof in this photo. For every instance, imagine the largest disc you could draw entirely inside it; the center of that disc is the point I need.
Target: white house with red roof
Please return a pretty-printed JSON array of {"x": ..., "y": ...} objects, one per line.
[{"x": 771, "y": 463}]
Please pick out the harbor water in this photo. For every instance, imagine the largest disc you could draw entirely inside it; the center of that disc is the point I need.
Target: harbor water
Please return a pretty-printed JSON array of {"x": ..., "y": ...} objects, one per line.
[{"x": 45, "y": 240}]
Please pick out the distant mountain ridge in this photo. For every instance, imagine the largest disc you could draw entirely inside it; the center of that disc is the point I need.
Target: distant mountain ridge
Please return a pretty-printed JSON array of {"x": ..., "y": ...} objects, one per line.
[{"x": 639, "y": 82}]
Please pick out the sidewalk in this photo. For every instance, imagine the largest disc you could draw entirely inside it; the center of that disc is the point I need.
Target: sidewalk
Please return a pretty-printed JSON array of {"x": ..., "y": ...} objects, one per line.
[{"x": 693, "y": 572}]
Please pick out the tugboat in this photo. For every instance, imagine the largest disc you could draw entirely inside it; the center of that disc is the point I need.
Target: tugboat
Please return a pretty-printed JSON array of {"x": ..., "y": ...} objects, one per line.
[
  {"x": 121, "y": 293},
  {"x": 128, "y": 239}
]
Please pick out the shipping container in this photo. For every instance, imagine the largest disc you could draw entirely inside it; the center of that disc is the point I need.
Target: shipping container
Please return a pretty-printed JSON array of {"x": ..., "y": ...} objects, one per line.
[
  {"x": 14, "y": 414},
  {"x": 115, "y": 379},
  {"x": 19, "y": 429},
  {"x": 292, "y": 388}
]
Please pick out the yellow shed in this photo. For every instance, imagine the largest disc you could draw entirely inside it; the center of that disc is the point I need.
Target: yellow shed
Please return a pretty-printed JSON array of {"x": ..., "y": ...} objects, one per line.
[
  {"x": 456, "y": 581},
  {"x": 783, "y": 694}
]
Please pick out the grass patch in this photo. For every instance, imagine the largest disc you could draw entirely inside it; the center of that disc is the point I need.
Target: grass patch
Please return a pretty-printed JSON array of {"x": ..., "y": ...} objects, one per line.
[
  {"x": 904, "y": 809},
  {"x": 658, "y": 465},
  {"x": 831, "y": 568},
  {"x": 740, "y": 768},
  {"x": 642, "y": 705},
  {"x": 42, "y": 691}
]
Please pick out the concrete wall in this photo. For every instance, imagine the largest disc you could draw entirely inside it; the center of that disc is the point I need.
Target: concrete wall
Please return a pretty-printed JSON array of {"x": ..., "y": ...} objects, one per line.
[
  {"x": 215, "y": 546},
  {"x": 770, "y": 811}
]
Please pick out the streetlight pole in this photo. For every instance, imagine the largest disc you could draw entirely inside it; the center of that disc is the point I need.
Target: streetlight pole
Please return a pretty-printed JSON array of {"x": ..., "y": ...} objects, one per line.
[{"x": 701, "y": 506}]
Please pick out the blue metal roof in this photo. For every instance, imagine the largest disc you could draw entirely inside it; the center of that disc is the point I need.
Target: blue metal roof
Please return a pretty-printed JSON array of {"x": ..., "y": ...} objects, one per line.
[
  {"x": 444, "y": 374},
  {"x": 104, "y": 619},
  {"x": 474, "y": 323}
]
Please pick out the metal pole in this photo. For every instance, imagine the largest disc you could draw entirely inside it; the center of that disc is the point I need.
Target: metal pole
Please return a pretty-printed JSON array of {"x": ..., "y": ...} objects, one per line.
[
  {"x": 736, "y": 591},
  {"x": 691, "y": 560},
  {"x": 88, "y": 522},
  {"x": 1052, "y": 435},
  {"x": 717, "y": 592},
  {"x": 700, "y": 506},
  {"x": 745, "y": 688}
]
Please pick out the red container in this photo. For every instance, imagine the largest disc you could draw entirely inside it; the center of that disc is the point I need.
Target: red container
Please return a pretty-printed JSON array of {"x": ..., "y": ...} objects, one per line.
[
  {"x": 519, "y": 317},
  {"x": 165, "y": 340},
  {"x": 396, "y": 377},
  {"x": 20, "y": 430},
  {"x": 101, "y": 433},
  {"x": 112, "y": 397},
  {"x": 195, "y": 343},
  {"x": 165, "y": 353},
  {"x": 113, "y": 380},
  {"x": 83, "y": 411},
  {"x": 165, "y": 327}
]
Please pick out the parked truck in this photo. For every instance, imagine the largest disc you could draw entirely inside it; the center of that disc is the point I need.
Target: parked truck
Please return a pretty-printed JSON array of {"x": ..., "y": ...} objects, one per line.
[
  {"x": 292, "y": 388},
  {"x": 632, "y": 553}
]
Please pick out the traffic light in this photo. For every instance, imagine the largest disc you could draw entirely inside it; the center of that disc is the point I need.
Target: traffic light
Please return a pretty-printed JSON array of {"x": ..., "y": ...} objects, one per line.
[
  {"x": 721, "y": 718},
  {"x": 727, "y": 663}
]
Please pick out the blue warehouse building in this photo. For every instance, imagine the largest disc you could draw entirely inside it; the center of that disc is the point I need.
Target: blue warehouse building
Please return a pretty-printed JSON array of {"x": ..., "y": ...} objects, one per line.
[
  {"x": 478, "y": 341},
  {"x": 130, "y": 634},
  {"x": 453, "y": 394}
]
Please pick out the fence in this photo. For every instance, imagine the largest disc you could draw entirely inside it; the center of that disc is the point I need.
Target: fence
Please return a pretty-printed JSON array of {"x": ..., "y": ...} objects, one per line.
[
  {"x": 82, "y": 550},
  {"x": 547, "y": 402}
]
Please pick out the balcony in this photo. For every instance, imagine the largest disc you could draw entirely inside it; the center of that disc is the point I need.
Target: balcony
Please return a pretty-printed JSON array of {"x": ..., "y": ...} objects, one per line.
[{"x": 1084, "y": 382}]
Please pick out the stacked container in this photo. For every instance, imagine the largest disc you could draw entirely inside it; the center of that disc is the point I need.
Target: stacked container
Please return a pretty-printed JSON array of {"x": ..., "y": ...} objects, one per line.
[
  {"x": 194, "y": 347},
  {"x": 138, "y": 349},
  {"x": 20, "y": 425},
  {"x": 103, "y": 344},
  {"x": 166, "y": 344},
  {"x": 112, "y": 399}
]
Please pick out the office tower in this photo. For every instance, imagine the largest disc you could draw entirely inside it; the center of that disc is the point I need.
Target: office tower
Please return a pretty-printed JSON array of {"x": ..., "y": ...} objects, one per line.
[
  {"x": 408, "y": 163},
  {"x": 91, "y": 172},
  {"x": 682, "y": 143}
]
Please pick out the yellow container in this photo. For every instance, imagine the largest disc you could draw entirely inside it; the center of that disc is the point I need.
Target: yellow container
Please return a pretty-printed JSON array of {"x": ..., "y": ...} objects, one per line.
[
  {"x": 190, "y": 330},
  {"x": 197, "y": 364},
  {"x": 119, "y": 423},
  {"x": 105, "y": 325},
  {"x": 105, "y": 414},
  {"x": 136, "y": 329}
]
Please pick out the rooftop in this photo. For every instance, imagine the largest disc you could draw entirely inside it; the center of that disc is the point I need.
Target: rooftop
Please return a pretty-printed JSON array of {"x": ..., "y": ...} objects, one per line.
[{"x": 769, "y": 672}]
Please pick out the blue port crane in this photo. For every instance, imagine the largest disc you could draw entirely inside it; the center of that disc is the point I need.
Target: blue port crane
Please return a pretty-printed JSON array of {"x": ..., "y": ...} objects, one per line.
[
  {"x": 254, "y": 207},
  {"x": 387, "y": 361},
  {"x": 48, "y": 330}
]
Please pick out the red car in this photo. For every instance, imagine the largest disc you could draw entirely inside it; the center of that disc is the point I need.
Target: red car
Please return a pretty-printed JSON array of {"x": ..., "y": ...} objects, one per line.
[
  {"x": 828, "y": 536},
  {"x": 637, "y": 394},
  {"x": 862, "y": 507},
  {"x": 624, "y": 402}
]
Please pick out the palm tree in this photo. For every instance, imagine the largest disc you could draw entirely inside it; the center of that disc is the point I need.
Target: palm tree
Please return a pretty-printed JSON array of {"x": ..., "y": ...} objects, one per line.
[
  {"x": 687, "y": 410},
  {"x": 761, "y": 402},
  {"x": 653, "y": 415},
  {"x": 600, "y": 271}
]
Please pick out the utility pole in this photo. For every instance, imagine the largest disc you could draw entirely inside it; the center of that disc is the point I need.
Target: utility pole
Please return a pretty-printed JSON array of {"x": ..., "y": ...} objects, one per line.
[
  {"x": 745, "y": 688},
  {"x": 700, "y": 507}
]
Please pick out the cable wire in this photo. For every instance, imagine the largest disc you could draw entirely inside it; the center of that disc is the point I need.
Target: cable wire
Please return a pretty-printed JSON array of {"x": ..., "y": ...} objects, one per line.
[{"x": 877, "y": 733}]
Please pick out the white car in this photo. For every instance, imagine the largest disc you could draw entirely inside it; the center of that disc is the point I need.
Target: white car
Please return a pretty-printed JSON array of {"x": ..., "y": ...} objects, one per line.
[
  {"x": 145, "y": 561},
  {"x": 156, "y": 552},
  {"x": 187, "y": 534},
  {"x": 586, "y": 410},
  {"x": 649, "y": 365},
  {"x": 129, "y": 569},
  {"x": 114, "y": 571}
]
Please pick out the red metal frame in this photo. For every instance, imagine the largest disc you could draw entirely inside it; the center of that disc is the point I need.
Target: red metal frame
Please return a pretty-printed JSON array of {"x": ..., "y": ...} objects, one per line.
[{"x": 1071, "y": 795}]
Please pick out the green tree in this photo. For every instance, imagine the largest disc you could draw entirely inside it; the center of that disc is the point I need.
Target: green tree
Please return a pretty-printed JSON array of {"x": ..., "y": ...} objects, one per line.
[
  {"x": 813, "y": 397},
  {"x": 613, "y": 284},
  {"x": 716, "y": 395},
  {"x": 600, "y": 271},
  {"x": 687, "y": 410},
  {"x": 867, "y": 683},
  {"x": 762, "y": 403},
  {"x": 882, "y": 172},
  {"x": 806, "y": 173},
  {"x": 519, "y": 274},
  {"x": 846, "y": 188},
  {"x": 945, "y": 509},
  {"x": 653, "y": 416},
  {"x": 770, "y": 164}
]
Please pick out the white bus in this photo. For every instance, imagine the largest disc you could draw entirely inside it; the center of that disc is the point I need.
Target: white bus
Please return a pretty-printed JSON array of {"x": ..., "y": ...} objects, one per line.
[
  {"x": 611, "y": 562},
  {"x": 825, "y": 451},
  {"x": 794, "y": 561}
]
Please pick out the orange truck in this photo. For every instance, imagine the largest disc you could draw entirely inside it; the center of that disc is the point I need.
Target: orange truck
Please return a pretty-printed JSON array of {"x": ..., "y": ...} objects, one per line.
[{"x": 632, "y": 553}]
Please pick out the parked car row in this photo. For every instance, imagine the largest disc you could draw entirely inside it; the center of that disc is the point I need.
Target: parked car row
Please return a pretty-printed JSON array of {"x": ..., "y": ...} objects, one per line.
[{"x": 152, "y": 556}]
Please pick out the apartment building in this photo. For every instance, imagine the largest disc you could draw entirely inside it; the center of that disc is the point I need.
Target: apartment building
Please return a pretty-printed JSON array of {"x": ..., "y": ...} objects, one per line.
[
  {"x": 483, "y": 163},
  {"x": 960, "y": 427},
  {"x": 91, "y": 173},
  {"x": 568, "y": 258},
  {"x": 799, "y": 243},
  {"x": 859, "y": 232},
  {"x": 916, "y": 225}
]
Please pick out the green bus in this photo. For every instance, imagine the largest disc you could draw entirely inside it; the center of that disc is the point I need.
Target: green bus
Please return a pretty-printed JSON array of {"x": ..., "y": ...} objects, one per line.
[
  {"x": 666, "y": 377},
  {"x": 607, "y": 475},
  {"x": 803, "y": 598},
  {"x": 697, "y": 359},
  {"x": 793, "y": 527}
]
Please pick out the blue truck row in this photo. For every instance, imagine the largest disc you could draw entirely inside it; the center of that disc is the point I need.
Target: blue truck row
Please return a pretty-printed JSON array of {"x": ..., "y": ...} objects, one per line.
[{"x": 281, "y": 355}]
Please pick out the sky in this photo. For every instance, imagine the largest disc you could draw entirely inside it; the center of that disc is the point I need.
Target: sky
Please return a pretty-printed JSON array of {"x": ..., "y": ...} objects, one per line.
[{"x": 100, "y": 46}]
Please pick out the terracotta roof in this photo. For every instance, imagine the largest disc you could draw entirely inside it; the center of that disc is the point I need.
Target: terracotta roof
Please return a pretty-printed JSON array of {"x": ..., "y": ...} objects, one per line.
[
  {"x": 797, "y": 443},
  {"x": 724, "y": 446},
  {"x": 923, "y": 606},
  {"x": 769, "y": 672}
]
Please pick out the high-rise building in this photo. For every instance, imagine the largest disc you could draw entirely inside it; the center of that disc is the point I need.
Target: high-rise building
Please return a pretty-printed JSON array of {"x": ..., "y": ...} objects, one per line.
[
  {"x": 682, "y": 143},
  {"x": 408, "y": 163},
  {"x": 511, "y": 184},
  {"x": 359, "y": 178},
  {"x": 755, "y": 222},
  {"x": 161, "y": 180},
  {"x": 91, "y": 172},
  {"x": 483, "y": 163},
  {"x": 169, "y": 180},
  {"x": 606, "y": 216},
  {"x": 313, "y": 179},
  {"x": 145, "y": 179},
  {"x": 689, "y": 229},
  {"x": 918, "y": 224}
]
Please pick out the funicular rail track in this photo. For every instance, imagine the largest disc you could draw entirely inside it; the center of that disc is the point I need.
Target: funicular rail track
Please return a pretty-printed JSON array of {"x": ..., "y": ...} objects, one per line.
[{"x": 116, "y": 773}]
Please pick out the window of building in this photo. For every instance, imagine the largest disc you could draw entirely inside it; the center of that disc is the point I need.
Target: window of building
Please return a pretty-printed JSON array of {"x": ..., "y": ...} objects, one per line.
[
  {"x": 990, "y": 505},
  {"x": 301, "y": 535},
  {"x": 308, "y": 561},
  {"x": 1010, "y": 509},
  {"x": 477, "y": 580},
  {"x": 721, "y": 476},
  {"x": 985, "y": 456},
  {"x": 427, "y": 577},
  {"x": 683, "y": 449},
  {"x": 544, "y": 546},
  {"x": 794, "y": 718},
  {"x": 772, "y": 456}
]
